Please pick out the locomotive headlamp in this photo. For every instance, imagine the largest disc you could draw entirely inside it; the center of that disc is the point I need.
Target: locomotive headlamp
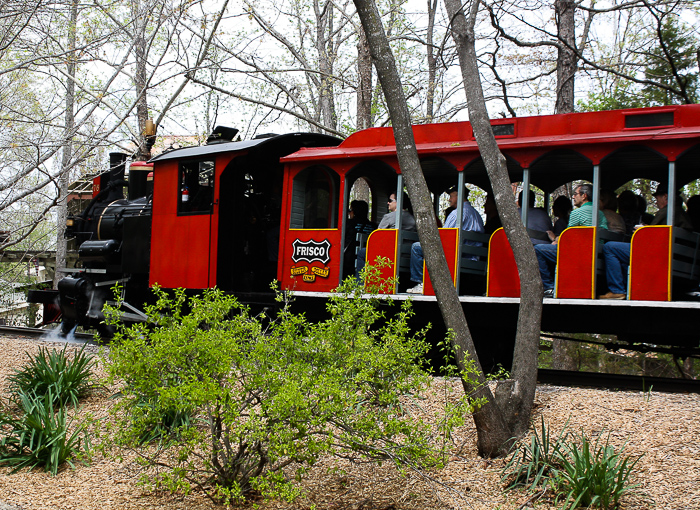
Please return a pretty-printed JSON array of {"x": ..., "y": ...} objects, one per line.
[{"x": 70, "y": 222}]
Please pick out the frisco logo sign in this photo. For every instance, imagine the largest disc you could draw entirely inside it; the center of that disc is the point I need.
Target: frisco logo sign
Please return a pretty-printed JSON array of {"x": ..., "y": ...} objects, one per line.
[{"x": 311, "y": 251}]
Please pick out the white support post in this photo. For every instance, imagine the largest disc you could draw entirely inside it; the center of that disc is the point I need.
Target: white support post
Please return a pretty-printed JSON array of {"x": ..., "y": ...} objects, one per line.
[{"x": 526, "y": 196}]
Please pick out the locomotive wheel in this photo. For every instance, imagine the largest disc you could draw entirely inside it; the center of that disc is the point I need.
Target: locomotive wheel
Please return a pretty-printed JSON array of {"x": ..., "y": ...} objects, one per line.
[{"x": 67, "y": 327}]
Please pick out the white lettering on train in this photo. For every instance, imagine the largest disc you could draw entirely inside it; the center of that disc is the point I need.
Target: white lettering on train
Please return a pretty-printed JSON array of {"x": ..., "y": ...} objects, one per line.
[{"x": 311, "y": 251}]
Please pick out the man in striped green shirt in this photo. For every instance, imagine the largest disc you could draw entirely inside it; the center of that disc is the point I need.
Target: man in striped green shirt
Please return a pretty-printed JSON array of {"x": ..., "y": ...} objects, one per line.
[{"x": 581, "y": 216}]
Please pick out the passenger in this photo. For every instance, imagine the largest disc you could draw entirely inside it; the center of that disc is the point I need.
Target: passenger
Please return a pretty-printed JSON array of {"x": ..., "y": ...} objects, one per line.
[
  {"x": 446, "y": 213},
  {"x": 408, "y": 223},
  {"x": 471, "y": 221},
  {"x": 693, "y": 205},
  {"x": 562, "y": 210},
  {"x": 628, "y": 205},
  {"x": 680, "y": 219},
  {"x": 642, "y": 209},
  {"x": 608, "y": 204},
  {"x": 538, "y": 222},
  {"x": 617, "y": 254},
  {"x": 493, "y": 221},
  {"x": 581, "y": 217},
  {"x": 407, "y": 220},
  {"x": 358, "y": 223}
]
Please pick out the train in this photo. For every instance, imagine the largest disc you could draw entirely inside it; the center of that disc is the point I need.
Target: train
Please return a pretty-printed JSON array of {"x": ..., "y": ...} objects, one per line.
[{"x": 238, "y": 214}]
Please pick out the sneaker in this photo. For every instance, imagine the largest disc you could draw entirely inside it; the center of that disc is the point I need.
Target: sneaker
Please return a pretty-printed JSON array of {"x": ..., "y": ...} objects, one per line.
[
  {"x": 612, "y": 295},
  {"x": 418, "y": 289},
  {"x": 548, "y": 293}
]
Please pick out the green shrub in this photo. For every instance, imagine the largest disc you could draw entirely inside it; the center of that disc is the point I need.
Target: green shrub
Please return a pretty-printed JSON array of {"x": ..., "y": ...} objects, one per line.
[
  {"x": 266, "y": 398},
  {"x": 581, "y": 473},
  {"x": 54, "y": 373},
  {"x": 38, "y": 436}
]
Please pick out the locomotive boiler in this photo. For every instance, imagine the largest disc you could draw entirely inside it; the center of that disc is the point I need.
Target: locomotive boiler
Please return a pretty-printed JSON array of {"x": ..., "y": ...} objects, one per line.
[{"x": 112, "y": 236}]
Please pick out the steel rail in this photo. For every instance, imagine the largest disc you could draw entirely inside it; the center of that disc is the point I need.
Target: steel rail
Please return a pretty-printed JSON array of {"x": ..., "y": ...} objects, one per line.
[
  {"x": 38, "y": 332},
  {"x": 617, "y": 381}
]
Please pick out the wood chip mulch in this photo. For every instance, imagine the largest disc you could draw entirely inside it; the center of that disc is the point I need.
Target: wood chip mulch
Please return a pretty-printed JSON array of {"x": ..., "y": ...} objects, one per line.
[{"x": 662, "y": 427}]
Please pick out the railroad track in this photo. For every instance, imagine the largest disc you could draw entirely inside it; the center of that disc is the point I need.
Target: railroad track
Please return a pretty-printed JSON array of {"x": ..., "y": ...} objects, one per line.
[
  {"x": 80, "y": 338},
  {"x": 616, "y": 381},
  {"x": 544, "y": 376}
]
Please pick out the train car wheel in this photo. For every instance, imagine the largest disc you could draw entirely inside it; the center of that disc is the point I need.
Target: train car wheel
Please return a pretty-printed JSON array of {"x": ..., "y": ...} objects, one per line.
[{"x": 105, "y": 331}]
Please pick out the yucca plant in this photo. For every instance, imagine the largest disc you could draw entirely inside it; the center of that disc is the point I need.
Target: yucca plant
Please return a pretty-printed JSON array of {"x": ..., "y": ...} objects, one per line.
[
  {"x": 579, "y": 473},
  {"x": 53, "y": 372},
  {"x": 593, "y": 474},
  {"x": 533, "y": 463},
  {"x": 38, "y": 436}
]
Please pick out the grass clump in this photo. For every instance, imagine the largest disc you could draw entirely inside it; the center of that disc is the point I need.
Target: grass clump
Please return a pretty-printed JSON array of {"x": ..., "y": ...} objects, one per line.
[
  {"x": 38, "y": 436},
  {"x": 55, "y": 373},
  {"x": 578, "y": 472},
  {"x": 35, "y": 428}
]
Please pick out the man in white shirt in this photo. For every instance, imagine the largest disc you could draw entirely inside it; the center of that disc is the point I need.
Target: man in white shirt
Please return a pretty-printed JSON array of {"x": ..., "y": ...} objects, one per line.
[{"x": 471, "y": 221}]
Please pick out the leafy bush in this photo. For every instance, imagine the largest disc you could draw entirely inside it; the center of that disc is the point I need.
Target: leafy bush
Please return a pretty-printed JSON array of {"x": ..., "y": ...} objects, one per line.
[
  {"x": 266, "y": 397},
  {"x": 581, "y": 473},
  {"x": 55, "y": 373},
  {"x": 36, "y": 436}
]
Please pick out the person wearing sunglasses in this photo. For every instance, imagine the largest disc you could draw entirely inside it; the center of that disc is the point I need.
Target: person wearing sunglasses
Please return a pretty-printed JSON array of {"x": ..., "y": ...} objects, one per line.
[
  {"x": 408, "y": 223},
  {"x": 581, "y": 216}
]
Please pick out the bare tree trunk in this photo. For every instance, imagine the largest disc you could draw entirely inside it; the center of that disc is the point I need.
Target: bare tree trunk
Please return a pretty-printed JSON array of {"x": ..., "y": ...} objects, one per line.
[
  {"x": 515, "y": 397},
  {"x": 324, "y": 47},
  {"x": 432, "y": 62},
  {"x": 493, "y": 434},
  {"x": 361, "y": 191},
  {"x": 140, "y": 76},
  {"x": 364, "y": 87},
  {"x": 67, "y": 155},
  {"x": 566, "y": 55},
  {"x": 562, "y": 355}
]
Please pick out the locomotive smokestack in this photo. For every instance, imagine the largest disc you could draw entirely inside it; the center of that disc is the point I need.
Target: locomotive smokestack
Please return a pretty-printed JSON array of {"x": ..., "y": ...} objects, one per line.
[
  {"x": 116, "y": 165},
  {"x": 138, "y": 179},
  {"x": 114, "y": 177}
]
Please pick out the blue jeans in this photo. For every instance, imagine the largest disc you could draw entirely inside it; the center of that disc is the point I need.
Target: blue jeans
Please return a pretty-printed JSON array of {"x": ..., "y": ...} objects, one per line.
[
  {"x": 416, "y": 263},
  {"x": 360, "y": 263},
  {"x": 547, "y": 260},
  {"x": 617, "y": 261}
]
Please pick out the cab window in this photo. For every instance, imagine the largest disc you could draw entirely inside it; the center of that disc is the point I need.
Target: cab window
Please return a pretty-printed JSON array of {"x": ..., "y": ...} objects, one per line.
[
  {"x": 196, "y": 193},
  {"x": 315, "y": 199}
]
